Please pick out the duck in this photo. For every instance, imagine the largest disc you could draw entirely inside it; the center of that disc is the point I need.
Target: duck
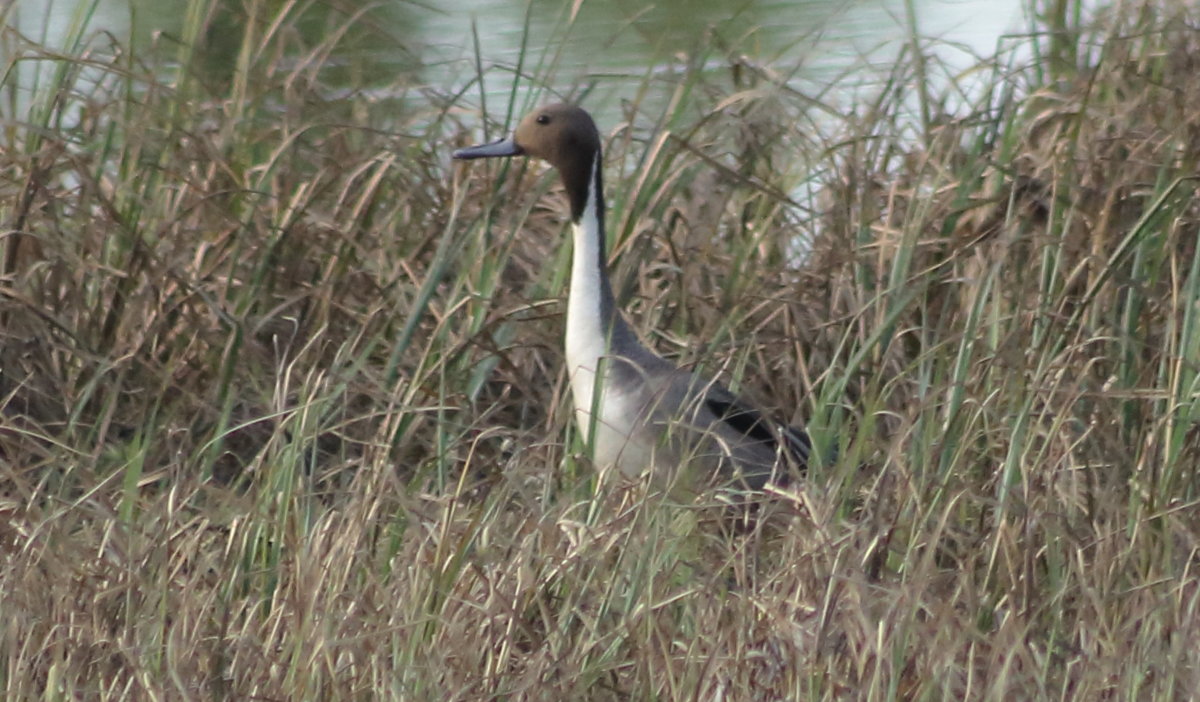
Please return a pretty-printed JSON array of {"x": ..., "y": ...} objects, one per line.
[{"x": 636, "y": 411}]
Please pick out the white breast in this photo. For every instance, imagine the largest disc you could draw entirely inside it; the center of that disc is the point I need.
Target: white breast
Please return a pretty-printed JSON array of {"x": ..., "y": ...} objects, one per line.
[
  {"x": 614, "y": 441},
  {"x": 608, "y": 424}
]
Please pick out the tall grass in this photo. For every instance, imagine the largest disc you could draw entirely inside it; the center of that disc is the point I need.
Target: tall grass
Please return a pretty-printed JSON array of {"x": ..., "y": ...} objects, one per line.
[{"x": 283, "y": 414}]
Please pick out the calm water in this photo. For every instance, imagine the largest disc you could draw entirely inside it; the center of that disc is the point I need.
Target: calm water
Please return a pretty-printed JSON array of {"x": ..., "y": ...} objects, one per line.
[{"x": 612, "y": 46}]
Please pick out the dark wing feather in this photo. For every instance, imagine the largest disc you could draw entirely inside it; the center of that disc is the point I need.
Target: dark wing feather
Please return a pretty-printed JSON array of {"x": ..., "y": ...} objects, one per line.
[{"x": 751, "y": 423}]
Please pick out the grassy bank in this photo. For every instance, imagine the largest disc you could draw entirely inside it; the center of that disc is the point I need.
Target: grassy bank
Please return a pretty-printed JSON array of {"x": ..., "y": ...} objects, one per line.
[{"x": 283, "y": 416}]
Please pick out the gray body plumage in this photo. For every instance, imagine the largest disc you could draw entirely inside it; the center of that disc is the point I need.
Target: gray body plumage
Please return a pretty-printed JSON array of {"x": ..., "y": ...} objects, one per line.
[{"x": 683, "y": 419}]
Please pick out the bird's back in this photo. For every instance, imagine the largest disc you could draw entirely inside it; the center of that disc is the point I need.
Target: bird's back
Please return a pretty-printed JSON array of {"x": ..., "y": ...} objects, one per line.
[{"x": 673, "y": 420}]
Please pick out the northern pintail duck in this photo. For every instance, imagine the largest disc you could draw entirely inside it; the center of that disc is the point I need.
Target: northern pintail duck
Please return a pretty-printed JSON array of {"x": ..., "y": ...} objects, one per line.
[{"x": 638, "y": 411}]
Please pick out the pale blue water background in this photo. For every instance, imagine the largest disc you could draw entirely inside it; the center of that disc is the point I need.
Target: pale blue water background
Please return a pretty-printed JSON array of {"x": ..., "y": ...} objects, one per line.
[{"x": 611, "y": 47}]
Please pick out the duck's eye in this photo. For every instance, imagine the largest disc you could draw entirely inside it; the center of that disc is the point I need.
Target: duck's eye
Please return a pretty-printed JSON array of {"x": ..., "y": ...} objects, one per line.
[{"x": 543, "y": 119}]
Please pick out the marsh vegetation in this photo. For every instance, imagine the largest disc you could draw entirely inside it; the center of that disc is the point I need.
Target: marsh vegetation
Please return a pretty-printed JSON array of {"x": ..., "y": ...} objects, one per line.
[{"x": 282, "y": 410}]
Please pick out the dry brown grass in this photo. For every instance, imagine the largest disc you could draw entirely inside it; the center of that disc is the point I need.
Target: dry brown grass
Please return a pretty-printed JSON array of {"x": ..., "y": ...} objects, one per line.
[{"x": 283, "y": 414}]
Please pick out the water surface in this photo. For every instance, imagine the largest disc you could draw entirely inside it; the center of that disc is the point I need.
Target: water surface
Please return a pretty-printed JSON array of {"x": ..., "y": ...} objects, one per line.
[{"x": 615, "y": 49}]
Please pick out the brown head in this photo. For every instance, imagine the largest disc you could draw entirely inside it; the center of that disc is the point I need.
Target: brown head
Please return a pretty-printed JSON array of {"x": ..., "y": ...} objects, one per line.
[{"x": 562, "y": 135}]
